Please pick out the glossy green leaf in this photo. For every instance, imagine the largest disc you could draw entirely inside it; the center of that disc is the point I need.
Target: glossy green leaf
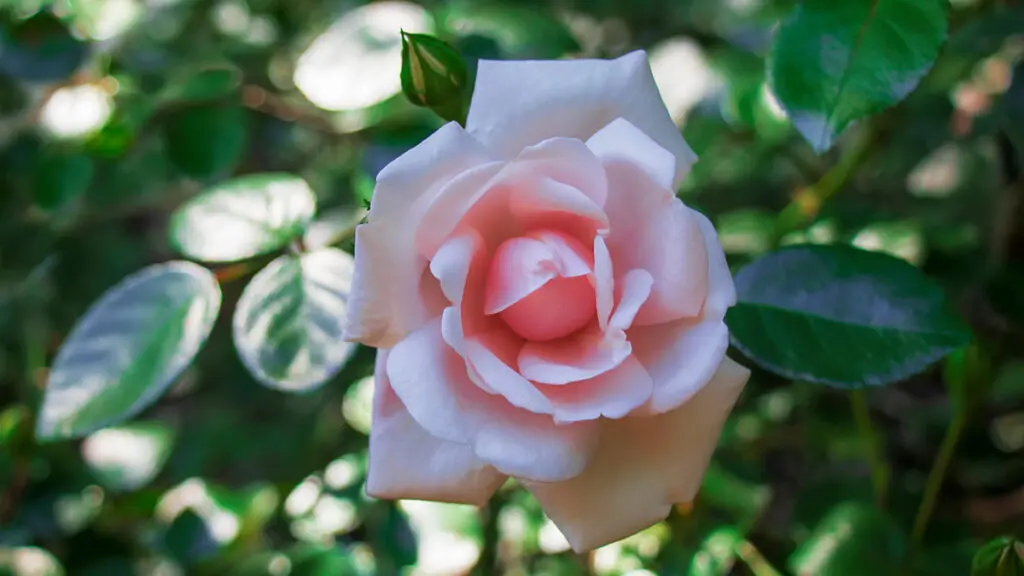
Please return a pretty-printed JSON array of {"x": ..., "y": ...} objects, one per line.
[
  {"x": 61, "y": 178},
  {"x": 126, "y": 458},
  {"x": 1000, "y": 557},
  {"x": 853, "y": 539},
  {"x": 243, "y": 217},
  {"x": 289, "y": 323},
  {"x": 434, "y": 76},
  {"x": 834, "y": 63},
  {"x": 841, "y": 316},
  {"x": 128, "y": 348},
  {"x": 206, "y": 141}
]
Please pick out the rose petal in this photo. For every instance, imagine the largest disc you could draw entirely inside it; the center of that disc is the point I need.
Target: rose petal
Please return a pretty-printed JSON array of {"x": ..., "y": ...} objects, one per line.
[
  {"x": 613, "y": 394},
  {"x": 452, "y": 261},
  {"x": 548, "y": 202},
  {"x": 652, "y": 230},
  {"x": 634, "y": 288},
  {"x": 450, "y": 205},
  {"x": 491, "y": 354},
  {"x": 385, "y": 303},
  {"x": 575, "y": 99},
  {"x": 642, "y": 467},
  {"x": 418, "y": 174},
  {"x": 582, "y": 356},
  {"x": 429, "y": 377},
  {"x": 604, "y": 282},
  {"x": 565, "y": 160},
  {"x": 622, "y": 140},
  {"x": 721, "y": 289},
  {"x": 680, "y": 356},
  {"x": 432, "y": 382},
  {"x": 407, "y": 462}
]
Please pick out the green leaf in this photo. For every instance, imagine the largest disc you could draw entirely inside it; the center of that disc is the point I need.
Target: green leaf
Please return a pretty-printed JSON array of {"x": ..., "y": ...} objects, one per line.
[
  {"x": 244, "y": 217},
  {"x": 206, "y": 141},
  {"x": 128, "y": 348},
  {"x": 1000, "y": 557},
  {"x": 841, "y": 316},
  {"x": 208, "y": 83},
  {"x": 852, "y": 540},
  {"x": 434, "y": 76},
  {"x": 28, "y": 561},
  {"x": 834, "y": 63},
  {"x": 290, "y": 320},
  {"x": 126, "y": 458},
  {"x": 61, "y": 178}
]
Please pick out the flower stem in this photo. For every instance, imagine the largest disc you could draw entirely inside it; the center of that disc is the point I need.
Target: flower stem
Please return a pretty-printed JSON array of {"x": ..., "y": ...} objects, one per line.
[
  {"x": 758, "y": 564},
  {"x": 872, "y": 447},
  {"x": 935, "y": 479}
]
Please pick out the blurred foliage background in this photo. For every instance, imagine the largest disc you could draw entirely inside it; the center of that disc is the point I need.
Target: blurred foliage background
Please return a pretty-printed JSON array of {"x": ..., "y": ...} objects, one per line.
[{"x": 113, "y": 113}]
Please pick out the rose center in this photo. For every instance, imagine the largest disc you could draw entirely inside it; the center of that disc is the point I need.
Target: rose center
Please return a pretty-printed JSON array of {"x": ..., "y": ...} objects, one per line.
[{"x": 547, "y": 276}]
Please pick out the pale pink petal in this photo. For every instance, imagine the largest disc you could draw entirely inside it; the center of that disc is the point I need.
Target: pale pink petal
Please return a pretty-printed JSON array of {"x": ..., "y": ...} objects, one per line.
[
  {"x": 450, "y": 205},
  {"x": 558, "y": 309},
  {"x": 582, "y": 356},
  {"x": 417, "y": 175},
  {"x": 431, "y": 381},
  {"x": 451, "y": 263},
  {"x": 622, "y": 140},
  {"x": 531, "y": 446},
  {"x": 519, "y": 267},
  {"x": 613, "y": 394},
  {"x": 681, "y": 356},
  {"x": 539, "y": 284},
  {"x": 564, "y": 160},
  {"x": 520, "y": 103},
  {"x": 604, "y": 282},
  {"x": 491, "y": 355},
  {"x": 634, "y": 288},
  {"x": 407, "y": 462},
  {"x": 721, "y": 289},
  {"x": 386, "y": 302},
  {"x": 545, "y": 202},
  {"x": 482, "y": 196},
  {"x": 642, "y": 467},
  {"x": 651, "y": 229}
]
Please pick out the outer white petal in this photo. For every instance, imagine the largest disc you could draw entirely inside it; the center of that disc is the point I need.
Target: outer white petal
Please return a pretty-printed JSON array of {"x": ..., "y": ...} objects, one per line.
[{"x": 520, "y": 103}]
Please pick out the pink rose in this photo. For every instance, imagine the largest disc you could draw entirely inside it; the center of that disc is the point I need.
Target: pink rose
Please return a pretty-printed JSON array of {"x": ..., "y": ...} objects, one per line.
[{"x": 546, "y": 308}]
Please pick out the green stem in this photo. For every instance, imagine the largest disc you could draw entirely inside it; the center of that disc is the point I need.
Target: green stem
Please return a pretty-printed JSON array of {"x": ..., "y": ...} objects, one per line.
[
  {"x": 935, "y": 479},
  {"x": 872, "y": 446},
  {"x": 758, "y": 564},
  {"x": 807, "y": 202}
]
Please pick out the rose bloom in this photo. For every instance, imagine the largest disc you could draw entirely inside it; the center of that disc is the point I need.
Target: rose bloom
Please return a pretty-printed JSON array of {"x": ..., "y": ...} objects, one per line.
[{"x": 544, "y": 306}]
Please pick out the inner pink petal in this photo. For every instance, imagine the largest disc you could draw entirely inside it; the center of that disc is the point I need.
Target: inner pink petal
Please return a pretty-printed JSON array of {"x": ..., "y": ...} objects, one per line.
[
  {"x": 559, "y": 308},
  {"x": 581, "y": 356},
  {"x": 540, "y": 285}
]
